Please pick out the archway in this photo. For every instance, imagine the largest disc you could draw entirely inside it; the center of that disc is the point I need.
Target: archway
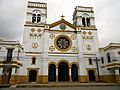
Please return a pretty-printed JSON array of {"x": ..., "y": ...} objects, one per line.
[
  {"x": 91, "y": 75},
  {"x": 32, "y": 75},
  {"x": 74, "y": 72},
  {"x": 52, "y": 73},
  {"x": 63, "y": 71}
]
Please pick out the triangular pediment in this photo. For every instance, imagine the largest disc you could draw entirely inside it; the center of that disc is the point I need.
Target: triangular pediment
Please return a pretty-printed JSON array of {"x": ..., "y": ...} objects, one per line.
[{"x": 56, "y": 25}]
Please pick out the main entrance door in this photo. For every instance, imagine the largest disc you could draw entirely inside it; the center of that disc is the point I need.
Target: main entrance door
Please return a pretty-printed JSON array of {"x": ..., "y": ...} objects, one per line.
[
  {"x": 32, "y": 75},
  {"x": 63, "y": 72},
  {"x": 91, "y": 75}
]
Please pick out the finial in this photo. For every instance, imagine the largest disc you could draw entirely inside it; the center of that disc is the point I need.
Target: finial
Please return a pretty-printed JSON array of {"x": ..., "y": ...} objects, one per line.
[{"x": 62, "y": 17}]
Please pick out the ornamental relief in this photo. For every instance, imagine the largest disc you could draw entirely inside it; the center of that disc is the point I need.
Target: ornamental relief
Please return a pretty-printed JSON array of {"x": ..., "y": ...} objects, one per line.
[
  {"x": 34, "y": 45},
  {"x": 51, "y": 48},
  {"x": 73, "y": 36},
  {"x": 38, "y": 30},
  {"x": 74, "y": 49},
  {"x": 88, "y": 47},
  {"x": 52, "y": 36},
  {"x": 34, "y": 36}
]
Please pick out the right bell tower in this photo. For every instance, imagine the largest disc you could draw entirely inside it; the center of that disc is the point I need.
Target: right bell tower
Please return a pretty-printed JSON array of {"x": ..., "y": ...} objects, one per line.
[{"x": 84, "y": 17}]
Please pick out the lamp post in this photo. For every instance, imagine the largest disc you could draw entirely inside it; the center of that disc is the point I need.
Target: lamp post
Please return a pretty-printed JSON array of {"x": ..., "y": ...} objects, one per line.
[{"x": 97, "y": 68}]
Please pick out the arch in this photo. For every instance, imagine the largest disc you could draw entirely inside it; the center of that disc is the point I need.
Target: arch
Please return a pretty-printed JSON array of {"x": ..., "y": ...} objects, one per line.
[
  {"x": 74, "y": 72},
  {"x": 32, "y": 75},
  {"x": 52, "y": 63},
  {"x": 63, "y": 71},
  {"x": 108, "y": 57},
  {"x": 91, "y": 74},
  {"x": 69, "y": 65},
  {"x": 52, "y": 73},
  {"x": 75, "y": 64},
  {"x": 36, "y": 16}
]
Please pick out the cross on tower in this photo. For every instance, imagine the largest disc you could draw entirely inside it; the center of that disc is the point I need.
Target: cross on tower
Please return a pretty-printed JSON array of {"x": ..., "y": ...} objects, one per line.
[{"x": 62, "y": 17}]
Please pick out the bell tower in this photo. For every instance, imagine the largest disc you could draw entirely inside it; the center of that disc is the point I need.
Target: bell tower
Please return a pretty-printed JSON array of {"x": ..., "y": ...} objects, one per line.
[
  {"x": 83, "y": 16},
  {"x": 36, "y": 13},
  {"x": 34, "y": 26}
]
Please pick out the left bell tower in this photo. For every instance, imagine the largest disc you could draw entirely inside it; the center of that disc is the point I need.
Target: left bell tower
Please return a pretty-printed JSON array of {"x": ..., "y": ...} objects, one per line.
[{"x": 36, "y": 17}]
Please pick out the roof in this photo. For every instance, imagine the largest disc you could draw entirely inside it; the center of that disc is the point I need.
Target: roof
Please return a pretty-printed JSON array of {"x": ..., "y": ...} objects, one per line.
[{"x": 62, "y": 21}]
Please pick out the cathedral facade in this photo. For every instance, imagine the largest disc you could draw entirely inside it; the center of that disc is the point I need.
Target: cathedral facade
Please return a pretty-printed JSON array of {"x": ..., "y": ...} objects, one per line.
[{"x": 59, "y": 52}]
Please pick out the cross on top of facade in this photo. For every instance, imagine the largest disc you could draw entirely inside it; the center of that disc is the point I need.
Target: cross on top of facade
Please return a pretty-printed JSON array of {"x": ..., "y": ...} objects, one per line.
[{"x": 62, "y": 17}]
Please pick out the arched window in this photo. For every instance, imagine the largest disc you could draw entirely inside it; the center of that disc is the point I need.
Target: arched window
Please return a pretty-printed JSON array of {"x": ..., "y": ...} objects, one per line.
[
  {"x": 33, "y": 60},
  {"x": 88, "y": 21},
  {"x": 33, "y": 18},
  {"x": 90, "y": 61},
  {"x": 38, "y": 18},
  {"x": 83, "y": 21},
  {"x": 74, "y": 72},
  {"x": 108, "y": 57}
]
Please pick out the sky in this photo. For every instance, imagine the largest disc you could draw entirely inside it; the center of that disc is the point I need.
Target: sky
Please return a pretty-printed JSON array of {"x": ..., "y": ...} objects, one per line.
[{"x": 107, "y": 17}]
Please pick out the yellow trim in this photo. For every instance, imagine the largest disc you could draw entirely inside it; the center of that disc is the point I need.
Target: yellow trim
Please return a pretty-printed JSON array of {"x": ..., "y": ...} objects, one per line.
[
  {"x": 63, "y": 50},
  {"x": 69, "y": 65},
  {"x": 56, "y": 65},
  {"x": 75, "y": 64}
]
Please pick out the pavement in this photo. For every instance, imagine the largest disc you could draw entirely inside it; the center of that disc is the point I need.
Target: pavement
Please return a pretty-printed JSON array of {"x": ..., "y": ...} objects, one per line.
[{"x": 62, "y": 84}]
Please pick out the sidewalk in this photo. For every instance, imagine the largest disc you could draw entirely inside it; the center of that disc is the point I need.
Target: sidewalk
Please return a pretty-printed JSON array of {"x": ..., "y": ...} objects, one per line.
[{"x": 65, "y": 85}]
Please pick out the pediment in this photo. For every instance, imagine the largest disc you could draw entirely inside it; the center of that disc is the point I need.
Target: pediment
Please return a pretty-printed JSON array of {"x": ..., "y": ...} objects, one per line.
[{"x": 66, "y": 25}]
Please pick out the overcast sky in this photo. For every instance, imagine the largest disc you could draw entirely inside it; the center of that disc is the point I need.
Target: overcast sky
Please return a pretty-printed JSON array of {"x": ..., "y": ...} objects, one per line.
[{"x": 107, "y": 17}]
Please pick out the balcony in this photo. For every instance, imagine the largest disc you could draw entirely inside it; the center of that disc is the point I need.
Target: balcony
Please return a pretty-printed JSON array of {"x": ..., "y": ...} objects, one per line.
[
  {"x": 14, "y": 62},
  {"x": 115, "y": 64}
]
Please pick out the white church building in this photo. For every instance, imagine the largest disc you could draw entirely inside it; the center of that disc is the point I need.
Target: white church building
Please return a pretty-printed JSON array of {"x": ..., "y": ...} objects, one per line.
[{"x": 58, "y": 52}]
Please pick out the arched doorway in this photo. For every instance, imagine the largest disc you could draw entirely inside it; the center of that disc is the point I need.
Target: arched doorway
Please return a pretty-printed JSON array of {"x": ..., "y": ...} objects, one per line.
[
  {"x": 52, "y": 73},
  {"x": 74, "y": 72},
  {"x": 32, "y": 75},
  {"x": 91, "y": 75},
  {"x": 63, "y": 71}
]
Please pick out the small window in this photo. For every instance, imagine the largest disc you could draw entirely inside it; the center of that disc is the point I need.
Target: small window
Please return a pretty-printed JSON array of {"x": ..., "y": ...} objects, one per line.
[
  {"x": 38, "y": 18},
  {"x": 102, "y": 60},
  {"x": 33, "y": 60},
  {"x": 9, "y": 54},
  {"x": 33, "y": 18},
  {"x": 108, "y": 57},
  {"x": 90, "y": 61}
]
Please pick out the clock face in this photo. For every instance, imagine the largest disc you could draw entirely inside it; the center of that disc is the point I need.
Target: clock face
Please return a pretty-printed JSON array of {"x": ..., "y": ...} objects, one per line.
[
  {"x": 63, "y": 26},
  {"x": 63, "y": 43}
]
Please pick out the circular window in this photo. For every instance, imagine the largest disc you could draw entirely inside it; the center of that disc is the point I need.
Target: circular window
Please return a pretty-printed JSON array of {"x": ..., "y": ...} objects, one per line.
[
  {"x": 63, "y": 26},
  {"x": 63, "y": 43}
]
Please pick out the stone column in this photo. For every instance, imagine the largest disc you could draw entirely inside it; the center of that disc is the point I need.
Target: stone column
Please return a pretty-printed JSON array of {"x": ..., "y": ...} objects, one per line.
[
  {"x": 70, "y": 79},
  {"x": 56, "y": 74},
  {"x": 117, "y": 75},
  {"x": 13, "y": 79},
  {"x": 1, "y": 70}
]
